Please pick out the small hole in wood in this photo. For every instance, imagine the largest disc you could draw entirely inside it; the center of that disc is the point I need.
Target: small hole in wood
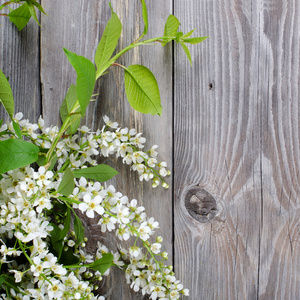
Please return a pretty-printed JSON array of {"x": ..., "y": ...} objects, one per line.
[
  {"x": 200, "y": 204},
  {"x": 211, "y": 85}
]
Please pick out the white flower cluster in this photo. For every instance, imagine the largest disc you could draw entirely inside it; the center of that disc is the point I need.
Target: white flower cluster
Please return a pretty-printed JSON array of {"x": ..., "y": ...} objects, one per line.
[
  {"x": 80, "y": 149},
  {"x": 33, "y": 219},
  {"x": 25, "y": 228},
  {"x": 128, "y": 219}
]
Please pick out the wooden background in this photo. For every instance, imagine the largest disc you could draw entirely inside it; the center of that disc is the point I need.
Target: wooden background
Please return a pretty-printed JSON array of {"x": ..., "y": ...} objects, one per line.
[{"x": 229, "y": 130}]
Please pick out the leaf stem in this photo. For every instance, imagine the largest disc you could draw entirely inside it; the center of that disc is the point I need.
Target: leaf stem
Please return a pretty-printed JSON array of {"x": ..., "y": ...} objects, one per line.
[
  {"x": 132, "y": 228},
  {"x": 118, "y": 65},
  {"x": 5, "y": 4},
  {"x": 24, "y": 252},
  {"x": 63, "y": 128},
  {"x": 133, "y": 45},
  {"x": 30, "y": 260}
]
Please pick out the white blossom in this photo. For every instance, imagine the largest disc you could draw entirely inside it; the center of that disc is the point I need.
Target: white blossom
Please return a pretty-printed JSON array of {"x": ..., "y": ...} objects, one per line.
[{"x": 28, "y": 196}]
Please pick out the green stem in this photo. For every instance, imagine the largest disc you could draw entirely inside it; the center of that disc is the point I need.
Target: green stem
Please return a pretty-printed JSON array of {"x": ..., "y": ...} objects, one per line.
[
  {"x": 144, "y": 243},
  {"x": 131, "y": 46},
  {"x": 24, "y": 252},
  {"x": 146, "y": 164},
  {"x": 63, "y": 128},
  {"x": 69, "y": 200},
  {"x": 30, "y": 260},
  {"x": 67, "y": 122},
  {"x": 75, "y": 266},
  {"x": 5, "y": 4},
  {"x": 65, "y": 165}
]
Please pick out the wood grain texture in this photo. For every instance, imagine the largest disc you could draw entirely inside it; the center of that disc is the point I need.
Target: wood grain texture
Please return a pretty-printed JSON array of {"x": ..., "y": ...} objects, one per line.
[
  {"x": 236, "y": 131},
  {"x": 79, "y": 28},
  {"x": 20, "y": 62},
  {"x": 237, "y": 110}
]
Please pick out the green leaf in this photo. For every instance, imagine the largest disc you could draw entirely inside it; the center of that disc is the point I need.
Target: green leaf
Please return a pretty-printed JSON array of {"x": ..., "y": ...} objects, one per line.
[
  {"x": 32, "y": 11},
  {"x": 100, "y": 173},
  {"x": 67, "y": 106},
  {"x": 109, "y": 41},
  {"x": 195, "y": 40},
  {"x": 142, "y": 90},
  {"x": 2, "y": 279},
  {"x": 67, "y": 183},
  {"x": 16, "y": 153},
  {"x": 1, "y": 122},
  {"x": 178, "y": 36},
  {"x": 53, "y": 161},
  {"x": 145, "y": 17},
  {"x": 38, "y": 6},
  {"x": 42, "y": 157},
  {"x": 103, "y": 263},
  {"x": 188, "y": 34},
  {"x": 171, "y": 28},
  {"x": 17, "y": 129},
  {"x": 68, "y": 258},
  {"x": 187, "y": 51},
  {"x": 56, "y": 242},
  {"x": 67, "y": 224},
  {"x": 86, "y": 78},
  {"x": 20, "y": 16},
  {"x": 6, "y": 96},
  {"x": 79, "y": 229}
]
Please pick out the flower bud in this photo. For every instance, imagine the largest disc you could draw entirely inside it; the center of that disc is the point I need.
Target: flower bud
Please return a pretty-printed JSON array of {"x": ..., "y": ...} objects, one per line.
[
  {"x": 164, "y": 255},
  {"x": 185, "y": 292},
  {"x": 159, "y": 239},
  {"x": 165, "y": 185},
  {"x": 170, "y": 267}
]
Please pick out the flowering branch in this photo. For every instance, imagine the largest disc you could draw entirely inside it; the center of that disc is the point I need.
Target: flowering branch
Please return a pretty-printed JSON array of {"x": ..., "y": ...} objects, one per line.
[{"x": 55, "y": 177}]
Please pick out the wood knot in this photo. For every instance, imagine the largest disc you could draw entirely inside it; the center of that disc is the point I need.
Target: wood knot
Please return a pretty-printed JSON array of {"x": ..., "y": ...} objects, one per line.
[{"x": 200, "y": 204}]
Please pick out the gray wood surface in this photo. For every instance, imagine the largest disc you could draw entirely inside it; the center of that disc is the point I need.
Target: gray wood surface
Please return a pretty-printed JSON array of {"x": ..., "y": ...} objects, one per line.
[
  {"x": 231, "y": 217},
  {"x": 20, "y": 61},
  {"x": 237, "y": 110}
]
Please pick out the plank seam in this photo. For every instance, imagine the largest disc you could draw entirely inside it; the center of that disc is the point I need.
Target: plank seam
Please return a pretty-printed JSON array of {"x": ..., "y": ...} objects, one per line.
[
  {"x": 173, "y": 150},
  {"x": 40, "y": 65}
]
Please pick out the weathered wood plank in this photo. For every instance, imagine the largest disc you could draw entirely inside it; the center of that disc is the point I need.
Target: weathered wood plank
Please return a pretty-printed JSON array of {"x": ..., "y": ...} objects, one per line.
[
  {"x": 79, "y": 28},
  {"x": 279, "y": 55},
  {"x": 237, "y": 110},
  {"x": 20, "y": 62}
]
